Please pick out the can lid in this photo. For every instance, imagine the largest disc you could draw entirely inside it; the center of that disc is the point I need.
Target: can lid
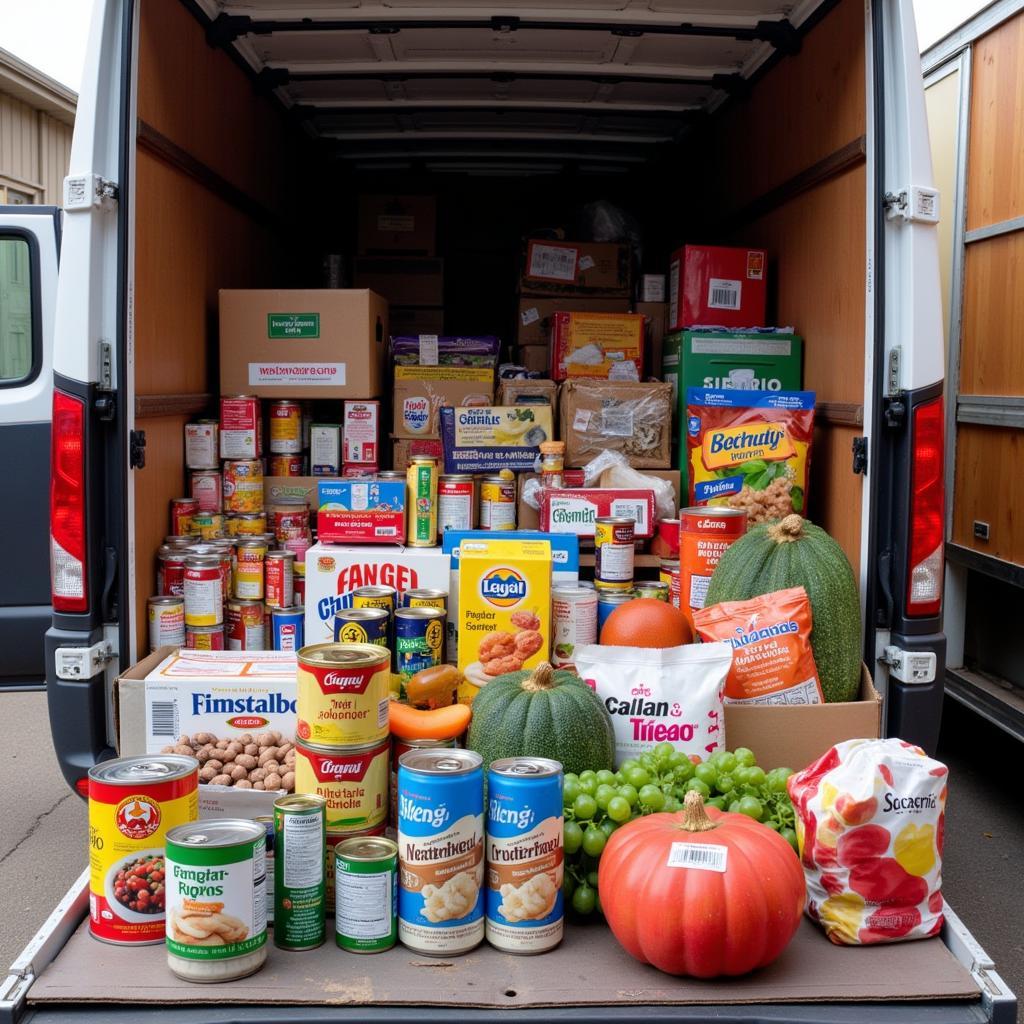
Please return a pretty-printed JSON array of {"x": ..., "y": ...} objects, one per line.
[
  {"x": 374, "y": 592},
  {"x": 166, "y": 599},
  {"x": 351, "y": 655},
  {"x": 616, "y": 520},
  {"x": 202, "y": 560},
  {"x": 441, "y": 762},
  {"x": 280, "y": 554},
  {"x": 300, "y": 802},
  {"x": 366, "y": 849},
  {"x": 295, "y": 609},
  {"x": 707, "y": 511},
  {"x": 614, "y": 596},
  {"x": 423, "y": 458},
  {"x": 216, "y": 832},
  {"x": 459, "y": 477},
  {"x": 526, "y": 767},
  {"x": 361, "y": 613},
  {"x": 131, "y": 771},
  {"x": 572, "y": 590}
]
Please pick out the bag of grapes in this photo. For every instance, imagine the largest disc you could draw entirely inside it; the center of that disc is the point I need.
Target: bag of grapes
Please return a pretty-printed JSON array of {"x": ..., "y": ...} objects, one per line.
[{"x": 869, "y": 821}]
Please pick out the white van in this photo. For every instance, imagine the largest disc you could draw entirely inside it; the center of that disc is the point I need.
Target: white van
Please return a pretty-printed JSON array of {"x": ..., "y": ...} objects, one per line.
[{"x": 221, "y": 143}]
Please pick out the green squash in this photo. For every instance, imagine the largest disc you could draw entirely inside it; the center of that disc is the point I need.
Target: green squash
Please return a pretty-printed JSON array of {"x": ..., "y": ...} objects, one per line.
[
  {"x": 795, "y": 553},
  {"x": 544, "y": 713}
]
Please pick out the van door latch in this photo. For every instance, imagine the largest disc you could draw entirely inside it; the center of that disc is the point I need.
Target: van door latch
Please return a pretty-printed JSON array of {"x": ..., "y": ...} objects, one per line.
[
  {"x": 86, "y": 191},
  {"x": 860, "y": 455},
  {"x": 910, "y": 666},
  {"x": 137, "y": 449}
]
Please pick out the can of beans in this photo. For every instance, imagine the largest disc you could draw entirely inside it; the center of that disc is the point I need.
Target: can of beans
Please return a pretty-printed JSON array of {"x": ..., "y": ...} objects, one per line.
[
  {"x": 202, "y": 444},
  {"x": 705, "y": 534},
  {"x": 362, "y": 626},
  {"x": 669, "y": 573},
  {"x": 425, "y": 597},
  {"x": 285, "y": 465},
  {"x": 419, "y": 640},
  {"x": 204, "y": 593},
  {"x": 240, "y": 427},
  {"x": 170, "y": 574},
  {"x": 456, "y": 502},
  {"x": 300, "y": 837},
  {"x": 243, "y": 485},
  {"x": 166, "y": 622},
  {"x": 208, "y": 525},
  {"x": 287, "y": 628},
  {"x": 285, "y": 427},
  {"x": 245, "y": 625},
  {"x": 573, "y": 622},
  {"x": 353, "y": 781},
  {"x": 333, "y": 839},
  {"x": 204, "y": 638},
  {"x": 607, "y": 602},
  {"x": 366, "y": 894},
  {"x": 182, "y": 511},
  {"x": 245, "y": 524},
  {"x": 206, "y": 488},
  {"x": 614, "y": 548},
  {"x": 249, "y": 559},
  {"x": 668, "y": 533},
  {"x": 655, "y": 589},
  {"x": 497, "y": 503},
  {"x": 280, "y": 579}
]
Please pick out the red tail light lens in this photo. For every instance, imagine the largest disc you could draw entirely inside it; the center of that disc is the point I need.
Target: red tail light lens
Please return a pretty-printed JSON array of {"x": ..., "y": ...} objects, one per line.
[
  {"x": 67, "y": 505},
  {"x": 927, "y": 513},
  {"x": 82, "y": 786}
]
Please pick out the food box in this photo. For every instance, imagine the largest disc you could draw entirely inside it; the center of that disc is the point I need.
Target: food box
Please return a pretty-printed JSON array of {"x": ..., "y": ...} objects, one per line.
[
  {"x": 657, "y": 321},
  {"x": 324, "y": 449},
  {"x": 504, "y": 616},
  {"x": 711, "y": 285},
  {"x": 495, "y": 437},
  {"x": 277, "y": 489},
  {"x": 361, "y": 511},
  {"x": 404, "y": 448},
  {"x": 358, "y": 472},
  {"x": 652, "y": 288},
  {"x": 390, "y": 223},
  {"x": 533, "y": 324},
  {"x": 575, "y": 509},
  {"x": 576, "y": 268},
  {"x": 528, "y": 392},
  {"x": 403, "y": 281},
  {"x": 333, "y": 571},
  {"x": 632, "y": 418},
  {"x": 360, "y": 433},
  {"x": 535, "y": 358},
  {"x": 420, "y": 392},
  {"x": 317, "y": 343},
  {"x": 445, "y": 350},
  {"x": 528, "y": 517},
  {"x": 603, "y": 345}
]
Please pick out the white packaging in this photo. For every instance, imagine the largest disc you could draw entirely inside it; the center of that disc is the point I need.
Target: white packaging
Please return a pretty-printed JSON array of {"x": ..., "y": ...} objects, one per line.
[
  {"x": 360, "y": 433},
  {"x": 652, "y": 288},
  {"x": 656, "y": 695},
  {"x": 325, "y": 449},
  {"x": 202, "y": 444}
]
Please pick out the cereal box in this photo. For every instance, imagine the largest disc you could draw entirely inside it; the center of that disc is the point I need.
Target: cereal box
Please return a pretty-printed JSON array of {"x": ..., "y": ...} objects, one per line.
[
  {"x": 504, "y": 611},
  {"x": 361, "y": 511},
  {"x": 494, "y": 437}
]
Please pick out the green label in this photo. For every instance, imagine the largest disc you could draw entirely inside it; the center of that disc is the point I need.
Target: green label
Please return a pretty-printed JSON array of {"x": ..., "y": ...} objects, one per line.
[
  {"x": 293, "y": 325},
  {"x": 224, "y": 952}
]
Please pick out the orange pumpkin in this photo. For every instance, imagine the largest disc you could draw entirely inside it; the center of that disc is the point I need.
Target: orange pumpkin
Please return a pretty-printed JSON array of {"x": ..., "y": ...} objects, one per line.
[{"x": 646, "y": 622}]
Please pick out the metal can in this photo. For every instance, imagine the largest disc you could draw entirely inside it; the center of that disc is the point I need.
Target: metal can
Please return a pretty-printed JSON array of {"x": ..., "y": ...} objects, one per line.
[
  {"x": 180, "y": 542},
  {"x": 573, "y": 622},
  {"x": 202, "y": 444},
  {"x": 398, "y": 748},
  {"x": 421, "y": 485},
  {"x": 245, "y": 625},
  {"x": 419, "y": 640},
  {"x": 425, "y": 597},
  {"x": 182, "y": 511},
  {"x": 208, "y": 525},
  {"x": 653, "y": 589},
  {"x": 669, "y": 573},
  {"x": 366, "y": 895},
  {"x": 497, "y": 503},
  {"x": 224, "y": 548},
  {"x": 170, "y": 573},
  {"x": 133, "y": 801},
  {"x": 390, "y": 474},
  {"x": 206, "y": 487},
  {"x": 353, "y": 781},
  {"x": 243, "y": 485},
  {"x": 287, "y": 628},
  {"x": 668, "y": 533},
  {"x": 441, "y": 851},
  {"x": 525, "y": 912},
  {"x": 203, "y": 590},
  {"x": 614, "y": 548},
  {"x": 280, "y": 579},
  {"x": 333, "y": 839},
  {"x": 285, "y": 427},
  {"x": 216, "y": 899},
  {"x": 456, "y": 502},
  {"x": 299, "y": 583},
  {"x": 607, "y": 602},
  {"x": 204, "y": 638},
  {"x": 343, "y": 692},
  {"x": 705, "y": 534},
  {"x": 248, "y": 576},
  {"x": 300, "y": 837},
  {"x": 290, "y": 519},
  {"x": 240, "y": 427},
  {"x": 285, "y": 465},
  {"x": 245, "y": 524},
  {"x": 362, "y": 626},
  {"x": 166, "y": 622},
  {"x": 375, "y": 597},
  {"x": 298, "y": 546}
]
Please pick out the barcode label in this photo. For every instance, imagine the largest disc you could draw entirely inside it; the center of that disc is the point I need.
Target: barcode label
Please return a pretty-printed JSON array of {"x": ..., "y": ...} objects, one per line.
[
  {"x": 723, "y": 294},
  {"x": 163, "y": 717},
  {"x": 553, "y": 262},
  {"x": 635, "y": 510},
  {"x": 702, "y": 856}
]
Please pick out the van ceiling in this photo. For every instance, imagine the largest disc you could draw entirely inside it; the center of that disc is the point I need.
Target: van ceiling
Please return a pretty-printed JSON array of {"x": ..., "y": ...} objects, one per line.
[{"x": 465, "y": 86}]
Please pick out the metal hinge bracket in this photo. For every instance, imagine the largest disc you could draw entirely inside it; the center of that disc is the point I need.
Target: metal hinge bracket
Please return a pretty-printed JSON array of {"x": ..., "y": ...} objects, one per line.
[{"x": 88, "y": 191}]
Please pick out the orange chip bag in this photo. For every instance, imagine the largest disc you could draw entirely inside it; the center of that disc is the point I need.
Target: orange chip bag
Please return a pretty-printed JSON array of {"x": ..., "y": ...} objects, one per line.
[{"x": 772, "y": 660}]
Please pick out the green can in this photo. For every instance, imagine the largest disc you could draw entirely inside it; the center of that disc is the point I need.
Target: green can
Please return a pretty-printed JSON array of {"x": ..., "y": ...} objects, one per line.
[
  {"x": 300, "y": 839},
  {"x": 421, "y": 489},
  {"x": 366, "y": 894}
]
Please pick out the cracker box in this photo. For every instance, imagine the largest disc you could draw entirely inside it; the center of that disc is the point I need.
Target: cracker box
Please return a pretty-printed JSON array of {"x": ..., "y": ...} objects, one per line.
[
  {"x": 357, "y": 511},
  {"x": 504, "y": 612},
  {"x": 575, "y": 509},
  {"x": 494, "y": 437},
  {"x": 360, "y": 433},
  {"x": 603, "y": 345}
]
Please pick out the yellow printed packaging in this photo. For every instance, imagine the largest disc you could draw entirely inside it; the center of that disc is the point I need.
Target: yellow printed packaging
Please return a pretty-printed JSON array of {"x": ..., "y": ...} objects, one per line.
[
  {"x": 603, "y": 345},
  {"x": 504, "y": 617}
]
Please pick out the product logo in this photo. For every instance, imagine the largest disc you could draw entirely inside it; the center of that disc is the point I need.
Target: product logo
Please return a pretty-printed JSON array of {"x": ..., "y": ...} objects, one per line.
[
  {"x": 248, "y": 722},
  {"x": 731, "y": 445},
  {"x": 423, "y": 814},
  {"x": 344, "y": 681},
  {"x": 909, "y": 803},
  {"x": 137, "y": 817},
  {"x": 435, "y": 634},
  {"x": 503, "y": 588},
  {"x": 693, "y": 425},
  {"x": 712, "y": 524},
  {"x": 325, "y": 563},
  {"x": 248, "y": 706},
  {"x": 521, "y": 819},
  {"x": 353, "y": 633},
  {"x": 750, "y": 634},
  {"x": 416, "y": 414},
  {"x": 293, "y": 325},
  {"x": 327, "y": 768}
]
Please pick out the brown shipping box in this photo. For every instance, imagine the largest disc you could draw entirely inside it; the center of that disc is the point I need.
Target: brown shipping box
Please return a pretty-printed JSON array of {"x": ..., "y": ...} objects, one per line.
[
  {"x": 323, "y": 343},
  {"x": 532, "y": 327},
  {"x": 390, "y": 223},
  {"x": 528, "y": 392},
  {"x": 576, "y": 268},
  {"x": 536, "y": 358},
  {"x": 632, "y": 418},
  {"x": 416, "y": 320},
  {"x": 402, "y": 281},
  {"x": 404, "y": 448},
  {"x": 420, "y": 391},
  {"x": 657, "y": 318}
]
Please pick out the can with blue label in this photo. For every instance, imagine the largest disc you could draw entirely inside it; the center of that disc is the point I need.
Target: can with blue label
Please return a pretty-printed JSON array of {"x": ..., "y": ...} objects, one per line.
[
  {"x": 287, "y": 628},
  {"x": 362, "y": 626},
  {"x": 607, "y": 602},
  {"x": 525, "y": 910},
  {"x": 419, "y": 640},
  {"x": 441, "y": 851}
]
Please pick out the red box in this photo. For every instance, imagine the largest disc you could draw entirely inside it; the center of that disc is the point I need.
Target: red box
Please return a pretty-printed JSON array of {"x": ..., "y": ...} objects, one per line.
[
  {"x": 360, "y": 434},
  {"x": 357, "y": 470},
  {"x": 712, "y": 285},
  {"x": 574, "y": 509},
  {"x": 361, "y": 511}
]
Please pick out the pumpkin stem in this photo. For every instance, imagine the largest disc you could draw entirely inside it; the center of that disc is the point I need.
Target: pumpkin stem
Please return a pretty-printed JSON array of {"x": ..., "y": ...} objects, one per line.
[
  {"x": 787, "y": 530},
  {"x": 695, "y": 818},
  {"x": 542, "y": 678}
]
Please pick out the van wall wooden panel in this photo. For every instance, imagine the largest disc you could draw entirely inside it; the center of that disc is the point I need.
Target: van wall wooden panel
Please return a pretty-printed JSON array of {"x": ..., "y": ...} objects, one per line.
[{"x": 835, "y": 497}]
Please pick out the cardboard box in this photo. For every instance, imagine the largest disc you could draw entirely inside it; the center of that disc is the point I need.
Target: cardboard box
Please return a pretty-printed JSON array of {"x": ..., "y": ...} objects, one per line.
[
  {"x": 361, "y": 511},
  {"x": 576, "y": 268},
  {"x": 360, "y": 433},
  {"x": 575, "y": 509},
  {"x": 404, "y": 448},
  {"x": 535, "y": 358},
  {"x": 634, "y": 419},
  {"x": 417, "y": 319},
  {"x": 456, "y": 350},
  {"x": 528, "y": 392},
  {"x": 323, "y": 343},
  {"x": 389, "y": 223},
  {"x": 532, "y": 325},
  {"x": 597, "y": 345},
  {"x": 657, "y": 322},
  {"x": 420, "y": 392},
  {"x": 333, "y": 571},
  {"x": 712, "y": 285},
  {"x": 402, "y": 281},
  {"x": 652, "y": 288},
  {"x": 290, "y": 488},
  {"x": 492, "y": 438}
]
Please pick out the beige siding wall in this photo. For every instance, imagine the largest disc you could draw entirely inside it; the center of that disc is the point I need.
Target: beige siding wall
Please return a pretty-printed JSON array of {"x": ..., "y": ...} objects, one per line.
[{"x": 34, "y": 149}]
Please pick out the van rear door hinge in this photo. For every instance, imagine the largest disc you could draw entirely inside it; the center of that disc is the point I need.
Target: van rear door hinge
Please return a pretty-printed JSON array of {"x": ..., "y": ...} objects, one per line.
[
  {"x": 86, "y": 191},
  {"x": 137, "y": 449}
]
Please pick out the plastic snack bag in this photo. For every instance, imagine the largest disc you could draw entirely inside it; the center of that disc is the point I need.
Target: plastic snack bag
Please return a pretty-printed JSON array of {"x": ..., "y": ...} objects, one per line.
[{"x": 869, "y": 818}]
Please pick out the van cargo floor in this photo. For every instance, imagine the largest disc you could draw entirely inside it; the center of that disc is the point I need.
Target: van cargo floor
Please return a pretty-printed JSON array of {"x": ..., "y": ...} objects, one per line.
[{"x": 588, "y": 969}]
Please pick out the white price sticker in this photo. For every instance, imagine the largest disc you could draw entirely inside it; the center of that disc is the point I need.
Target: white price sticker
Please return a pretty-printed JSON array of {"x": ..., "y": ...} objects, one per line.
[
  {"x": 581, "y": 421},
  {"x": 586, "y": 262},
  {"x": 530, "y": 316},
  {"x": 702, "y": 856},
  {"x": 428, "y": 350}
]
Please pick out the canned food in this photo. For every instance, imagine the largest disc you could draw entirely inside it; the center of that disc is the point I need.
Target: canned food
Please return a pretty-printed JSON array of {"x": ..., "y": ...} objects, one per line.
[
  {"x": 390, "y": 474},
  {"x": 669, "y": 573},
  {"x": 245, "y": 524},
  {"x": 300, "y": 839},
  {"x": 133, "y": 801},
  {"x": 285, "y": 465},
  {"x": 243, "y": 485},
  {"x": 180, "y": 542},
  {"x": 668, "y": 532},
  {"x": 182, "y": 511},
  {"x": 441, "y": 851},
  {"x": 208, "y": 525},
  {"x": 375, "y": 597},
  {"x": 298, "y": 546},
  {"x": 216, "y": 899},
  {"x": 245, "y": 625},
  {"x": 456, "y": 502},
  {"x": 287, "y": 628},
  {"x": 366, "y": 895},
  {"x": 705, "y": 534},
  {"x": 607, "y": 602},
  {"x": 248, "y": 575},
  {"x": 343, "y": 692},
  {"x": 170, "y": 572},
  {"x": 614, "y": 548},
  {"x": 425, "y": 597},
  {"x": 206, "y": 488},
  {"x": 362, "y": 626},
  {"x": 225, "y": 551},
  {"x": 398, "y": 748},
  {"x": 280, "y": 579},
  {"x": 421, "y": 485},
  {"x": 240, "y": 427},
  {"x": 525, "y": 911},
  {"x": 204, "y": 590},
  {"x": 290, "y": 519},
  {"x": 497, "y": 503},
  {"x": 353, "y": 781},
  {"x": 285, "y": 427},
  {"x": 202, "y": 444},
  {"x": 333, "y": 839},
  {"x": 166, "y": 622},
  {"x": 653, "y": 589},
  {"x": 419, "y": 640},
  {"x": 204, "y": 638},
  {"x": 573, "y": 622}
]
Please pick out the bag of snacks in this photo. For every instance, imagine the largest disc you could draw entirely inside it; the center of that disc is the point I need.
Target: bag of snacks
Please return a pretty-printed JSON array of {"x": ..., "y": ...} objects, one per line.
[
  {"x": 869, "y": 820},
  {"x": 770, "y": 635},
  {"x": 750, "y": 450}
]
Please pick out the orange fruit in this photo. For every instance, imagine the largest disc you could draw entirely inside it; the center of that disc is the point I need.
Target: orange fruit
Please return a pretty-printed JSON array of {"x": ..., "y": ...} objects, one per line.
[{"x": 646, "y": 622}]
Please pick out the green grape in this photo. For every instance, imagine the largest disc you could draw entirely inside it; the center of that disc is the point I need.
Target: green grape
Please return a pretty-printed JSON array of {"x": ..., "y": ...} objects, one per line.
[
  {"x": 588, "y": 785},
  {"x": 570, "y": 775},
  {"x": 726, "y": 762},
  {"x": 753, "y": 776},
  {"x": 734, "y": 807},
  {"x": 592, "y": 878},
  {"x": 677, "y": 758},
  {"x": 683, "y": 771},
  {"x": 568, "y": 886},
  {"x": 716, "y": 801},
  {"x": 664, "y": 750},
  {"x": 745, "y": 757},
  {"x": 593, "y": 841},
  {"x": 584, "y": 807},
  {"x": 584, "y": 899},
  {"x": 619, "y": 778},
  {"x": 629, "y": 794},
  {"x": 588, "y": 774},
  {"x": 603, "y": 795},
  {"x": 605, "y": 777},
  {"x": 773, "y": 825},
  {"x": 627, "y": 764},
  {"x": 672, "y": 805},
  {"x": 570, "y": 790},
  {"x": 790, "y": 836},
  {"x": 637, "y": 776},
  {"x": 618, "y": 808},
  {"x": 651, "y": 798},
  {"x": 749, "y": 805},
  {"x": 776, "y": 779},
  {"x": 608, "y": 827},
  {"x": 572, "y": 837},
  {"x": 706, "y": 773},
  {"x": 725, "y": 784},
  {"x": 695, "y": 785}
]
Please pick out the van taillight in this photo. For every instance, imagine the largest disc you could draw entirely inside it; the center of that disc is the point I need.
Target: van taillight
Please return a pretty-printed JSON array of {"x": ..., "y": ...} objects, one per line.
[
  {"x": 67, "y": 505},
  {"x": 927, "y": 512}
]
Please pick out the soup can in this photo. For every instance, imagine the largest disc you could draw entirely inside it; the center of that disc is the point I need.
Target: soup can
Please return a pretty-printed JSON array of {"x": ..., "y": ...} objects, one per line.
[
  {"x": 280, "y": 579},
  {"x": 655, "y": 589},
  {"x": 705, "y": 534},
  {"x": 456, "y": 502},
  {"x": 248, "y": 575},
  {"x": 170, "y": 573},
  {"x": 289, "y": 519},
  {"x": 366, "y": 894},
  {"x": 245, "y": 625},
  {"x": 166, "y": 622},
  {"x": 300, "y": 838},
  {"x": 245, "y": 524},
  {"x": 425, "y": 597},
  {"x": 362, "y": 626},
  {"x": 497, "y": 503},
  {"x": 285, "y": 465},
  {"x": 206, "y": 487},
  {"x": 573, "y": 622},
  {"x": 352, "y": 780},
  {"x": 182, "y": 511},
  {"x": 299, "y": 583},
  {"x": 607, "y": 602},
  {"x": 669, "y": 573},
  {"x": 668, "y": 532},
  {"x": 285, "y": 427},
  {"x": 204, "y": 638},
  {"x": 243, "y": 486},
  {"x": 203, "y": 590},
  {"x": 400, "y": 747},
  {"x": 287, "y": 626},
  {"x": 419, "y": 640},
  {"x": 614, "y": 549},
  {"x": 208, "y": 525},
  {"x": 421, "y": 487},
  {"x": 241, "y": 427},
  {"x": 375, "y": 597}
]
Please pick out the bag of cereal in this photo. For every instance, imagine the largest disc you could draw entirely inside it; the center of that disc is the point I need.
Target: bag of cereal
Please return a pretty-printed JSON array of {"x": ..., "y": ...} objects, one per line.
[{"x": 869, "y": 820}]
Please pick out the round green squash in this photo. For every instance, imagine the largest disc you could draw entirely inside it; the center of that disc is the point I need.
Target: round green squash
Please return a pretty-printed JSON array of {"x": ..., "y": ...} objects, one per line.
[
  {"x": 544, "y": 713},
  {"x": 794, "y": 553}
]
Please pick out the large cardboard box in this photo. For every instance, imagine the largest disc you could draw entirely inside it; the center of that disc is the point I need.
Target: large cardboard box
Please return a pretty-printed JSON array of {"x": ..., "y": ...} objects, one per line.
[
  {"x": 404, "y": 448},
  {"x": 576, "y": 268},
  {"x": 390, "y": 223},
  {"x": 402, "y": 281},
  {"x": 535, "y": 358},
  {"x": 421, "y": 391},
  {"x": 711, "y": 285},
  {"x": 277, "y": 489},
  {"x": 532, "y": 325},
  {"x": 528, "y": 392},
  {"x": 318, "y": 343}
]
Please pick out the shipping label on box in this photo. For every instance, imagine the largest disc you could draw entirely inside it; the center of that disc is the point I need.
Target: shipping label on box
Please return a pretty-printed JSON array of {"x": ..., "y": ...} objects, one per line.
[
  {"x": 596, "y": 268},
  {"x": 492, "y": 438},
  {"x": 604, "y": 345},
  {"x": 361, "y": 511},
  {"x": 575, "y": 510},
  {"x": 360, "y": 432}
]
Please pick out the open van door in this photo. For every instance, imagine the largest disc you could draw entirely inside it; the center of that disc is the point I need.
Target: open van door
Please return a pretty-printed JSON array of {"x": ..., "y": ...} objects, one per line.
[{"x": 29, "y": 244}]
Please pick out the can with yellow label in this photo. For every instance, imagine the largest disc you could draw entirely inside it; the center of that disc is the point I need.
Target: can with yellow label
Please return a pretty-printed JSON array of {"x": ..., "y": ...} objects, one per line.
[{"x": 353, "y": 781}]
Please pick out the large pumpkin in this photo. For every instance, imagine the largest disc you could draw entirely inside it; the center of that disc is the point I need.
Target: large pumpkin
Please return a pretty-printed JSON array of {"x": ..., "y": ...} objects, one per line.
[
  {"x": 732, "y": 910},
  {"x": 795, "y": 553},
  {"x": 543, "y": 713}
]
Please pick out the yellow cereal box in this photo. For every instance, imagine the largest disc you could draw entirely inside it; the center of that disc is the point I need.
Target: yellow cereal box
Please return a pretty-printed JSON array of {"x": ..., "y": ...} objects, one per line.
[{"x": 504, "y": 616}]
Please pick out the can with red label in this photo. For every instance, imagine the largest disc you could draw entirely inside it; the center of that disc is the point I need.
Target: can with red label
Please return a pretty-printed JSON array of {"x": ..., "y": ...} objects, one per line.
[
  {"x": 287, "y": 628},
  {"x": 285, "y": 427},
  {"x": 245, "y": 625},
  {"x": 243, "y": 485},
  {"x": 285, "y": 465},
  {"x": 705, "y": 534},
  {"x": 240, "y": 427},
  {"x": 456, "y": 502},
  {"x": 353, "y": 781},
  {"x": 182, "y": 511},
  {"x": 669, "y": 573},
  {"x": 280, "y": 579},
  {"x": 203, "y": 590},
  {"x": 204, "y": 638},
  {"x": 250, "y": 556},
  {"x": 298, "y": 546},
  {"x": 207, "y": 489},
  {"x": 290, "y": 519},
  {"x": 166, "y": 622},
  {"x": 170, "y": 574},
  {"x": 202, "y": 444},
  {"x": 668, "y": 533},
  {"x": 225, "y": 551}
]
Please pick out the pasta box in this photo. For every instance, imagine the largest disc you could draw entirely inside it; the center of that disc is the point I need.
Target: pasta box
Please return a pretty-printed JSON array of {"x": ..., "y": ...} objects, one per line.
[
  {"x": 361, "y": 511},
  {"x": 490, "y": 438},
  {"x": 575, "y": 509}
]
